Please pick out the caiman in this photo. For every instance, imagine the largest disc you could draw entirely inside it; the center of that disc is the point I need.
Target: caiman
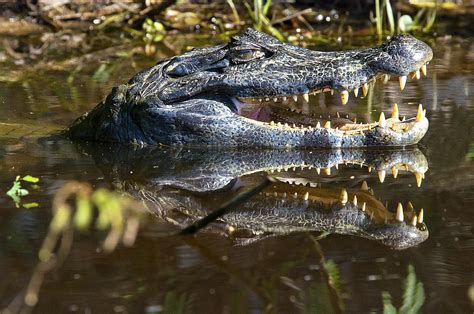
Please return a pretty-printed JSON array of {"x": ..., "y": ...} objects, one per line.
[
  {"x": 181, "y": 186},
  {"x": 213, "y": 96}
]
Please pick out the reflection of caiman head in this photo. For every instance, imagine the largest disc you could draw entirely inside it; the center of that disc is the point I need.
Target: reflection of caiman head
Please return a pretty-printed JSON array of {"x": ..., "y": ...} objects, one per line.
[{"x": 183, "y": 185}]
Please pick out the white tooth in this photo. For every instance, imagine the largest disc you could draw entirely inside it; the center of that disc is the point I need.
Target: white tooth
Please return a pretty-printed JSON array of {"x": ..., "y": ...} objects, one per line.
[
  {"x": 260, "y": 99},
  {"x": 355, "y": 200},
  {"x": 417, "y": 74},
  {"x": 294, "y": 125},
  {"x": 365, "y": 89},
  {"x": 344, "y": 97},
  {"x": 318, "y": 125},
  {"x": 386, "y": 78},
  {"x": 403, "y": 81},
  {"x": 284, "y": 98},
  {"x": 272, "y": 122},
  {"x": 275, "y": 99},
  {"x": 423, "y": 69},
  {"x": 414, "y": 220},
  {"x": 267, "y": 99},
  {"x": 327, "y": 125},
  {"x": 295, "y": 98},
  {"x": 306, "y": 97},
  {"x": 400, "y": 212},
  {"x": 363, "y": 206},
  {"x": 382, "y": 122},
  {"x": 356, "y": 92}
]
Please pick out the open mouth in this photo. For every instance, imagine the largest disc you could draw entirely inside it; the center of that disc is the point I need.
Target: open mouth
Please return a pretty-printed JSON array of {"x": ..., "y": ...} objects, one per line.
[{"x": 275, "y": 112}]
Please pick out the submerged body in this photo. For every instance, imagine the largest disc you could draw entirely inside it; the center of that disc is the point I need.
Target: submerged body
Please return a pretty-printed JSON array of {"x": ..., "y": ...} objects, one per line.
[{"x": 196, "y": 99}]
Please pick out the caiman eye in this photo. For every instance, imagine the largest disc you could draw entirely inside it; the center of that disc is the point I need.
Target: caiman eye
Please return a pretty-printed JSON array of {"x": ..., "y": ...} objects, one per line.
[{"x": 246, "y": 55}]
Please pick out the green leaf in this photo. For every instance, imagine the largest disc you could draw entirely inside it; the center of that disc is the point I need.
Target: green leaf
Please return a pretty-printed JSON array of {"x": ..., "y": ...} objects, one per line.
[
  {"x": 30, "y": 179},
  {"x": 30, "y": 205},
  {"x": 388, "y": 307},
  {"x": 405, "y": 23}
]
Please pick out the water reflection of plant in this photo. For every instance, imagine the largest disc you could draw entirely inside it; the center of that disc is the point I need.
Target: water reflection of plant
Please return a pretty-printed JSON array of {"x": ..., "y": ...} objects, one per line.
[{"x": 413, "y": 296}]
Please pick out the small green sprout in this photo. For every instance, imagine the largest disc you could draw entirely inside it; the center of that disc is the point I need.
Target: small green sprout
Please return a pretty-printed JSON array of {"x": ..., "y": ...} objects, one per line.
[{"x": 17, "y": 191}]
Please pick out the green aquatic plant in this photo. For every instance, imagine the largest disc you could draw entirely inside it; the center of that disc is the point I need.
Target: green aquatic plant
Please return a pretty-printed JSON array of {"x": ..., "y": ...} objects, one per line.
[
  {"x": 422, "y": 21},
  {"x": 259, "y": 15},
  {"x": 17, "y": 191},
  {"x": 154, "y": 31},
  {"x": 413, "y": 296}
]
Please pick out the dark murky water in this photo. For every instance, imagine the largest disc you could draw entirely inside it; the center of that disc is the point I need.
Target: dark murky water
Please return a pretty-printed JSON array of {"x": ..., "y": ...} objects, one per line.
[{"x": 248, "y": 270}]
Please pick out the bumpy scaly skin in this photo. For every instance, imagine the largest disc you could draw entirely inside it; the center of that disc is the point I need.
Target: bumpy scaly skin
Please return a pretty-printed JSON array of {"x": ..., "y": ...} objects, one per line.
[
  {"x": 192, "y": 99},
  {"x": 155, "y": 175}
]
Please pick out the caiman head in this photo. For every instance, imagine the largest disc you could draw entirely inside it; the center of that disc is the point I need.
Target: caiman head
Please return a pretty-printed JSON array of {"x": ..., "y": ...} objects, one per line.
[{"x": 213, "y": 96}]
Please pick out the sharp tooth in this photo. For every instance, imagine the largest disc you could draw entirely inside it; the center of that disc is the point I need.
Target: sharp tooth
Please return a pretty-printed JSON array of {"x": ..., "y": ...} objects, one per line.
[
  {"x": 275, "y": 99},
  {"x": 382, "y": 122},
  {"x": 279, "y": 123},
  {"x": 364, "y": 186},
  {"x": 365, "y": 89},
  {"x": 332, "y": 91},
  {"x": 260, "y": 99},
  {"x": 306, "y": 97},
  {"x": 399, "y": 212},
  {"x": 327, "y": 125},
  {"x": 423, "y": 69},
  {"x": 419, "y": 178},
  {"x": 356, "y": 92},
  {"x": 386, "y": 78},
  {"x": 295, "y": 98},
  {"x": 395, "y": 114},
  {"x": 306, "y": 196},
  {"x": 420, "y": 113},
  {"x": 267, "y": 99},
  {"x": 420, "y": 216},
  {"x": 327, "y": 171},
  {"x": 295, "y": 195},
  {"x": 403, "y": 81},
  {"x": 363, "y": 206},
  {"x": 318, "y": 125},
  {"x": 381, "y": 174},
  {"x": 294, "y": 125},
  {"x": 403, "y": 119},
  {"x": 410, "y": 206},
  {"x": 318, "y": 171},
  {"x": 369, "y": 168},
  {"x": 344, "y": 97},
  {"x": 417, "y": 74},
  {"x": 272, "y": 122},
  {"x": 343, "y": 196},
  {"x": 285, "y": 98},
  {"x": 414, "y": 220},
  {"x": 355, "y": 200},
  {"x": 337, "y": 114},
  {"x": 394, "y": 172}
]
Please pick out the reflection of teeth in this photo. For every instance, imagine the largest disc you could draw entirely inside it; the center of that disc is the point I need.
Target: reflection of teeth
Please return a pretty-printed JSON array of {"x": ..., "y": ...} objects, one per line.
[
  {"x": 381, "y": 174},
  {"x": 364, "y": 186},
  {"x": 423, "y": 69},
  {"x": 365, "y": 89},
  {"x": 419, "y": 178},
  {"x": 403, "y": 81},
  {"x": 399, "y": 216},
  {"x": 395, "y": 111},
  {"x": 420, "y": 114},
  {"x": 343, "y": 196},
  {"x": 382, "y": 122},
  {"x": 306, "y": 97},
  {"x": 420, "y": 216},
  {"x": 394, "y": 172}
]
